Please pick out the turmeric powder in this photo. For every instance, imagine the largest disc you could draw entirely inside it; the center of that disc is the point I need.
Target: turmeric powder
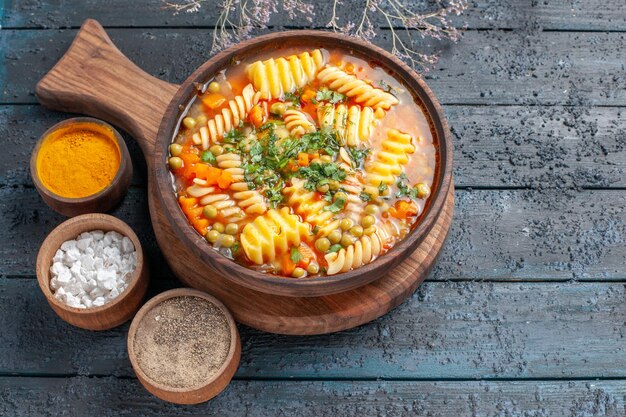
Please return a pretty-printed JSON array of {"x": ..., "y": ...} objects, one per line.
[{"x": 78, "y": 160}]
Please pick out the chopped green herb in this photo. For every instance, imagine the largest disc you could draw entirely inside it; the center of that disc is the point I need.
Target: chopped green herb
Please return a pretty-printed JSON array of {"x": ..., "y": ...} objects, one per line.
[
  {"x": 293, "y": 97},
  {"x": 320, "y": 174},
  {"x": 274, "y": 194},
  {"x": 365, "y": 196},
  {"x": 388, "y": 88},
  {"x": 358, "y": 156},
  {"x": 382, "y": 187},
  {"x": 295, "y": 255},
  {"x": 405, "y": 190},
  {"x": 270, "y": 124},
  {"x": 233, "y": 136},
  {"x": 235, "y": 247},
  {"x": 337, "y": 206},
  {"x": 325, "y": 94},
  {"x": 207, "y": 156},
  {"x": 335, "y": 248}
]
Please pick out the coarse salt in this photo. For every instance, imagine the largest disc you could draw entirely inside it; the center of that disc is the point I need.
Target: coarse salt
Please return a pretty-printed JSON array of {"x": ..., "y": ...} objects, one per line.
[{"x": 92, "y": 269}]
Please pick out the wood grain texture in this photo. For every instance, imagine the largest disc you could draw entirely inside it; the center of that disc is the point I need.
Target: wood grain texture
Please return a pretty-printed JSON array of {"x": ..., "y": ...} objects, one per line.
[
  {"x": 118, "y": 310},
  {"x": 549, "y": 14},
  {"x": 108, "y": 397},
  {"x": 93, "y": 77},
  {"x": 496, "y": 146},
  {"x": 447, "y": 330},
  {"x": 497, "y": 234},
  {"x": 521, "y": 67},
  {"x": 197, "y": 394},
  {"x": 99, "y": 202}
]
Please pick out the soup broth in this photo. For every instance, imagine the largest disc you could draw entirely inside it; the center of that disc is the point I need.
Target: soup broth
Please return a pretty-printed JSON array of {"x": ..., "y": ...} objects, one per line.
[{"x": 303, "y": 162}]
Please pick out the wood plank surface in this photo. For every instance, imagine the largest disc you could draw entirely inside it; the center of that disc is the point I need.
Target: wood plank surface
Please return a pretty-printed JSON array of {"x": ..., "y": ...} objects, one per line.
[
  {"x": 495, "y": 234},
  {"x": 495, "y": 146},
  {"x": 537, "y": 113},
  {"x": 446, "y": 330},
  {"x": 549, "y": 14},
  {"x": 112, "y": 397},
  {"x": 485, "y": 67}
]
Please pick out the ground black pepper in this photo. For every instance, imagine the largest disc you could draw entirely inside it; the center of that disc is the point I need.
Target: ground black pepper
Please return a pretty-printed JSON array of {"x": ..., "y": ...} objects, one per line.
[{"x": 182, "y": 342}]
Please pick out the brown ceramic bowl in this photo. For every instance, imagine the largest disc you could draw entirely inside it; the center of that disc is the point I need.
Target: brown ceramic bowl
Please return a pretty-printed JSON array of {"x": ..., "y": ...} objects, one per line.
[
  {"x": 117, "y": 311},
  {"x": 322, "y": 285},
  {"x": 99, "y": 202},
  {"x": 207, "y": 389}
]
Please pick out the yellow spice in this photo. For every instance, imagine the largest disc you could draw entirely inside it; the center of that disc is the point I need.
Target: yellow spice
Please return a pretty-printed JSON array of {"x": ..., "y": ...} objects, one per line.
[{"x": 78, "y": 160}]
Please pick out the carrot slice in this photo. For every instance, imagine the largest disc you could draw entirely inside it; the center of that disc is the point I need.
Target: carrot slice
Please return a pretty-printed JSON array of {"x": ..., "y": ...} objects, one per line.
[{"x": 213, "y": 100}]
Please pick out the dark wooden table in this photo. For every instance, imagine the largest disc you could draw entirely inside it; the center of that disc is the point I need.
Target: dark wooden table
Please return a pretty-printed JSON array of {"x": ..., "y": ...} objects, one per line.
[{"x": 524, "y": 314}]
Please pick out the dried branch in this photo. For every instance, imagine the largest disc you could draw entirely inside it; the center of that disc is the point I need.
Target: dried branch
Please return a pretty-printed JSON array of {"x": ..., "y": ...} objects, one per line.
[{"x": 240, "y": 19}]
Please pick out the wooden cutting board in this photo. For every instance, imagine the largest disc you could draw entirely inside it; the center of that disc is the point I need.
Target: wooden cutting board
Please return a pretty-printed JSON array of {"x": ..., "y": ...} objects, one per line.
[{"x": 95, "y": 78}]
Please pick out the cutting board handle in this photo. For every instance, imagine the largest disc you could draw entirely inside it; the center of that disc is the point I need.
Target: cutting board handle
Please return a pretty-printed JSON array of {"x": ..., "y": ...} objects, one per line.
[{"x": 95, "y": 78}]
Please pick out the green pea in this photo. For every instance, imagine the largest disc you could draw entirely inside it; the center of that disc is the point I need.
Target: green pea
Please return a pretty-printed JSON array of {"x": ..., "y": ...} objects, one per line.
[
  {"x": 201, "y": 120},
  {"x": 423, "y": 190},
  {"x": 347, "y": 239},
  {"x": 322, "y": 244},
  {"x": 313, "y": 268},
  {"x": 340, "y": 195},
  {"x": 218, "y": 226},
  {"x": 298, "y": 272},
  {"x": 209, "y": 211},
  {"x": 278, "y": 108},
  {"x": 175, "y": 162},
  {"x": 322, "y": 188},
  {"x": 356, "y": 231},
  {"x": 368, "y": 221},
  {"x": 214, "y": 87},
  {"x": 371, "y": 209},
  {"x": 231, "y": 229},
  {"x": 334, "y": 185},
  {"x": 216, "y": 150},
  {"x": 213, "y": 236},
  {"x": 335, "y": 236},
  {"x": 175, "y": 149},
  {"x": 227, "y": 241},
  {"x": 189, "y": 122},
  {"x": 345, "y": 224},
  {"x": 370, "y": 230}
]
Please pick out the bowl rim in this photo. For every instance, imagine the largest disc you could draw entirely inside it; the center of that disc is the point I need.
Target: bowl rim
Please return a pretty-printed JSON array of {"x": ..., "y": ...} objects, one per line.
[
  {"x": 174, "y": 293},
  {"x": 124, "y": 157},
  {"x": 318, "y": 285},
  {"x": 87, "y": 220}
]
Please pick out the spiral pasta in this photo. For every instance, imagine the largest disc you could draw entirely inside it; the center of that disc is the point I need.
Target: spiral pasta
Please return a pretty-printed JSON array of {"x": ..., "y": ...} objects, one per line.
[
  {"x": 275, "y": 77},
  {"x": 298, "y": 123},
  {"x": 362, "y": 252},
  {"x": 388, "y": 161},
  {"x": 272, "y": 234},
  {"x": 236, "y": 111},
  {"x": 363, "y": 93},
  {"x": 352, "y": 186},
  {"x": 251, "y": 201},
  {"x": 306, "y": 204},
  {"x": 354, "y": 125},
  {"x": 226, "y": 207}
]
